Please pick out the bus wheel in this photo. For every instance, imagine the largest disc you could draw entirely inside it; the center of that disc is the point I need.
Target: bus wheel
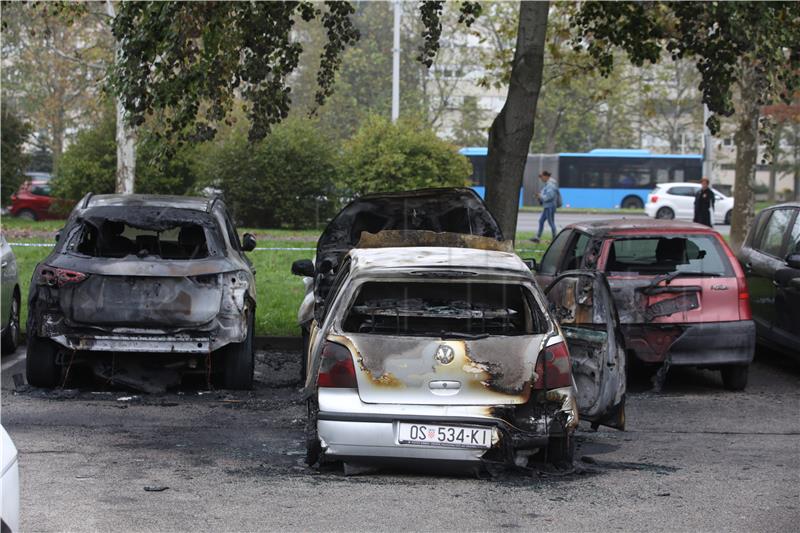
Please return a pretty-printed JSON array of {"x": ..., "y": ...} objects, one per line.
[
  {"x": 665, "y": 212},
  {"x": 632, "y": 202}
]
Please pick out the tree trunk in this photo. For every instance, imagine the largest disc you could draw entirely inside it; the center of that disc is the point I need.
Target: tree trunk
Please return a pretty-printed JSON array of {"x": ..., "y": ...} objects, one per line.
[
  {"x": 773, "y": 164},
  {"x": 512, "y": 129},
  {"x": 126, "y": 137},
  {"x": 746, "y": 139}
]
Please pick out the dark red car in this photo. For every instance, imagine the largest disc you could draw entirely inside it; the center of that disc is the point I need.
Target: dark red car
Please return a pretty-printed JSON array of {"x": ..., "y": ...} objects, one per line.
[
  {"x": 680, "y": 293},
  {"x": 33, "y": 200}
]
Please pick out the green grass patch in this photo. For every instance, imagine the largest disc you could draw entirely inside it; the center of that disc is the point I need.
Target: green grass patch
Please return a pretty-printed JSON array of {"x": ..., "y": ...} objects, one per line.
[{"x": 279, "y": 292}]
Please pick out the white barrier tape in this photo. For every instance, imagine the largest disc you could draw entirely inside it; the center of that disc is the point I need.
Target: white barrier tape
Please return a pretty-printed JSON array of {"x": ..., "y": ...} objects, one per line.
[{"x": 44, "y": 244}]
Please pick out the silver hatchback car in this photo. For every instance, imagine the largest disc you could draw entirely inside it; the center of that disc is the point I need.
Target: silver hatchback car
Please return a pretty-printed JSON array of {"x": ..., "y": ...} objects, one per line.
[{"x": 437, "y": 346}]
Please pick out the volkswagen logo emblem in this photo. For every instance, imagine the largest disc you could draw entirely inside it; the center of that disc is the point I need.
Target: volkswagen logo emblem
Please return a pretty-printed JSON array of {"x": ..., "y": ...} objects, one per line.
[{"x": 444, "y": 354}]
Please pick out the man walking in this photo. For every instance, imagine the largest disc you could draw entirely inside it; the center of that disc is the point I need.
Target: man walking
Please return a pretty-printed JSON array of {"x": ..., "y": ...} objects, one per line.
[
  {"x": 704, "y": 204},
  {"x": 548, "y": 197}
]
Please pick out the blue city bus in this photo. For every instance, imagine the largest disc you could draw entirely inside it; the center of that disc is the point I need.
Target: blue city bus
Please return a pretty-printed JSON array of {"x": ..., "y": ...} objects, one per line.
[{"x": 602, "y": 178}]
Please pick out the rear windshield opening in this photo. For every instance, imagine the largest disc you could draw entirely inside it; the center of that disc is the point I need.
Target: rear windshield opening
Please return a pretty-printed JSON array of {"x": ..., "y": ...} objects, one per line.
[
  {"x": 701, "y": 254},
  {"x": 111, "y": 238},
  {"x": 430, "y": 309}
]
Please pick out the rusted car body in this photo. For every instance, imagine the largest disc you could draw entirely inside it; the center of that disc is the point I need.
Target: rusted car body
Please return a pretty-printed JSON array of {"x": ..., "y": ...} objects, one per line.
[
  {"x": 434, "y": 346},
  {"x": 147, "y": 275},
  {"x": 680, "y": 293}
]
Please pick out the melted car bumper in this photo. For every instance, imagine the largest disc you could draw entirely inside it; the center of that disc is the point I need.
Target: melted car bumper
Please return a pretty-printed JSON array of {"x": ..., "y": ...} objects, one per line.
[{"x": 349, "y": 428}]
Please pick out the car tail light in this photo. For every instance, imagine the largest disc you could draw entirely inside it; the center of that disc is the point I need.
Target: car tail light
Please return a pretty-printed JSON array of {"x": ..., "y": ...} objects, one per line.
[
  {"x": 653, "y": 198},
  {"x": 336, "y": 367},
  {"x": 58, "y": 277},
  {"x": 553, "y": 367},
  {"x": 745, "y": 312}
]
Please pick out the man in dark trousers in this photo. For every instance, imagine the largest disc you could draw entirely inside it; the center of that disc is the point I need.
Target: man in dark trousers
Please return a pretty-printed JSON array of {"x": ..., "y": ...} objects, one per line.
[{"x": 704, "y": 204}]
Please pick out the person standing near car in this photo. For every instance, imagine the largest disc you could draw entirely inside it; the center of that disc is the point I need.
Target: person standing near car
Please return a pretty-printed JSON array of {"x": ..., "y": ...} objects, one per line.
[
  {"x": 704, "y": 204},
  {"x": 548, "y": 198}
]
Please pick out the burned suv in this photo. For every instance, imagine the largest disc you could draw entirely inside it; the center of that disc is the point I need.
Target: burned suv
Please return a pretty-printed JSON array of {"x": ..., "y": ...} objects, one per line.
[{"x": 138, "y": 283}]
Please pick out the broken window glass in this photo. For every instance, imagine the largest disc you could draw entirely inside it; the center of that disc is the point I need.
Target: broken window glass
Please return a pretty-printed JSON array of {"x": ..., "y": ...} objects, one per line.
[
  {"x": 437, "y": 308},
  {"x": 701, "y": 254}
]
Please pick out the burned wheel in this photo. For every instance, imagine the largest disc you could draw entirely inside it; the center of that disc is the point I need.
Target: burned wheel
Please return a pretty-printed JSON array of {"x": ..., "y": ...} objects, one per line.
[
  {"x": 313, "y": 446},
  {"x": 10, "y": 339},
  {"x": 238, "y": 360},
  {"x": 734, "y": 377},
  {"x": 561, "y": 450},
  {"x": 40, "y": 363}
]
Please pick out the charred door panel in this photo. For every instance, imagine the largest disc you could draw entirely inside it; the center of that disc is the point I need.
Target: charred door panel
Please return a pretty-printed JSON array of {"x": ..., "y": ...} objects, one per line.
[{"x": 584, "y": 308}]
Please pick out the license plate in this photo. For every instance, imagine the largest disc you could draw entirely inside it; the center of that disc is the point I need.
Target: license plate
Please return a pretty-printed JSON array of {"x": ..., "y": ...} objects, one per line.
[{"x": 452, "y": 436}]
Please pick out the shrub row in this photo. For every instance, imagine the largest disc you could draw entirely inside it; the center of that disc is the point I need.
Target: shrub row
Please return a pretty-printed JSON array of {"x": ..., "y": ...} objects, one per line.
[{"x": 297, "y": 177}]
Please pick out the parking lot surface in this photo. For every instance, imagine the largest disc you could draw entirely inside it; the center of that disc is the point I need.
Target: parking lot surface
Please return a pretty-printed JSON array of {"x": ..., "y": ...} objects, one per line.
[{"x": 694, "y": 457}]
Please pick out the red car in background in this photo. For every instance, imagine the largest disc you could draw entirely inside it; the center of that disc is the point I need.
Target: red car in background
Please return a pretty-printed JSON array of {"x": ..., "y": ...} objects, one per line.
[
  {"x": 680, "y": 293},
  {"x": 33, "y": 200}
]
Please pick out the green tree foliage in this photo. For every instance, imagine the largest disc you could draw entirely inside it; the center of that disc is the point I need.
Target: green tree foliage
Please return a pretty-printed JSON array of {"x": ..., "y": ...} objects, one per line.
[
  {"x": 468, "y": 131},
  {"x": 90, "y": 164},
  {"x": 286, "y": 179},
  {"x": 746, "y": 53},
  {"x": 383, "y": 156},
  {"x": 14, "y": 161}
]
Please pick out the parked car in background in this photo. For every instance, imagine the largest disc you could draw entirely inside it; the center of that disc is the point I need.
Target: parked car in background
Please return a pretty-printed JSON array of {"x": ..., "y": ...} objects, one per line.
[
  {"x": 441, "y": 346},
  {"x": 676, "y": 200},
  {"x": 10, "y": 300},
  {"x": 681, "y": 295},
  {"x": 770, "y": 257},
  {"x": 9, "y": 484},
  {"x": 454, "y": 210},
  {"x": 33, "y": 200},
  {"x": 163, "y": 279}
]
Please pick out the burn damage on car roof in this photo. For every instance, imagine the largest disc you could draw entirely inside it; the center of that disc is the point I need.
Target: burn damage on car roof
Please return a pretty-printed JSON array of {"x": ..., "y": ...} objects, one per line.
[{"x": 438, "y": 210}]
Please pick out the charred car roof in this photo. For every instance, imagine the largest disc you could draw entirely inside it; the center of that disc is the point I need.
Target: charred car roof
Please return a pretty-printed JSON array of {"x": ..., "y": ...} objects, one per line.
[
  {"x": 152, "y": 200},
  {"x": 627, "y": 226},
  {"x": 454, "y": 210},
  {"x": 424, "y": 258}
]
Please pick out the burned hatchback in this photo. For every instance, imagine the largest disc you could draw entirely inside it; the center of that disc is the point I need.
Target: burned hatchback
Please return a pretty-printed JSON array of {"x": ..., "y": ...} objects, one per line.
[
  {"x": 141, "y": 284},
  {"x": 441, "y": 346}
]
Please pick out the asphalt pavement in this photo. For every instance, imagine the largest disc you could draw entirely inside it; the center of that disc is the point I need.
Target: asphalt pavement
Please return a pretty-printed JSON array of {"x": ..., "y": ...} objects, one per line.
[{"x": 693, "y": 457}]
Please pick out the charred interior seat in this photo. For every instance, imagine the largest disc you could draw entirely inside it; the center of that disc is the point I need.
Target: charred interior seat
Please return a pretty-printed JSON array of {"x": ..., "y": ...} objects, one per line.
[
  {"x": 111, "y": 242},
  {"x": 192, "y": 241},
  {"x": 671, "y": 251}
]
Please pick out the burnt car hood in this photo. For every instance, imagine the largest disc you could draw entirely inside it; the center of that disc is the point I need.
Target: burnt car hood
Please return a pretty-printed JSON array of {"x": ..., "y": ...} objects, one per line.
[{"x": 452, "y": 210}]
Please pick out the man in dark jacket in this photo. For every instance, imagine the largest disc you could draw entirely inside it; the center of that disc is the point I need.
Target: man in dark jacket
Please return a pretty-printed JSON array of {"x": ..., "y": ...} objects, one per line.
[{"x": 704, "y": 204}]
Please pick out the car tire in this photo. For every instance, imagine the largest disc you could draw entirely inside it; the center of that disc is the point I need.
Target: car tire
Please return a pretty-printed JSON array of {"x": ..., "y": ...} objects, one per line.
[
  {"x": 10, "y": 339},
  {"x": 238, "y": 360},
  {"x": 41, "y": 368},
  {"x": 665, "y": 213},
  {"x": 561, "y": 450},
  {"x": 632, "y": 202},
  {"x": 27, "y": 214},
  {"x": 734, "y": 377},
  {"x": 313, "y": 446},
  {"x": 728, "y": 217}
]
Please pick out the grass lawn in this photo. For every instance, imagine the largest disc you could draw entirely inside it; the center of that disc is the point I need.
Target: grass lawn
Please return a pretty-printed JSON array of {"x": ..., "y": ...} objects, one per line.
[{"x": 279, "y": 292}]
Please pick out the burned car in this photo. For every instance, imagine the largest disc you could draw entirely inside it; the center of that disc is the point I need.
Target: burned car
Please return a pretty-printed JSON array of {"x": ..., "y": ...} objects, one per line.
[
  {"x": 452, "y": 210},
  {"x": 441, "y": 346},
  {"x": 681, "y": 295},
  {"x": 140, "y": 281}
]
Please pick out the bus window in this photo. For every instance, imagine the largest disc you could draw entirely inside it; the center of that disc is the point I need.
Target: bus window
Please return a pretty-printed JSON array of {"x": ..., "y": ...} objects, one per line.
[{"x": 478, "y": 178}]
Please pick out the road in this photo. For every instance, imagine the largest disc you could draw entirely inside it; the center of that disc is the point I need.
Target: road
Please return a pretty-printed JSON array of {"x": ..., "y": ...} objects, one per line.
[
  {"x": 530, "y": 221},
  {"x": 694, "y": 457}
]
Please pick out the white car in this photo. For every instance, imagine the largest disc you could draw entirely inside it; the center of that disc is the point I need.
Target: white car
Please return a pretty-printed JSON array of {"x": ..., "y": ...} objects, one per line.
[
  {"x": 10, "y": 483},
  {"x": 676, "y": 200}
]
